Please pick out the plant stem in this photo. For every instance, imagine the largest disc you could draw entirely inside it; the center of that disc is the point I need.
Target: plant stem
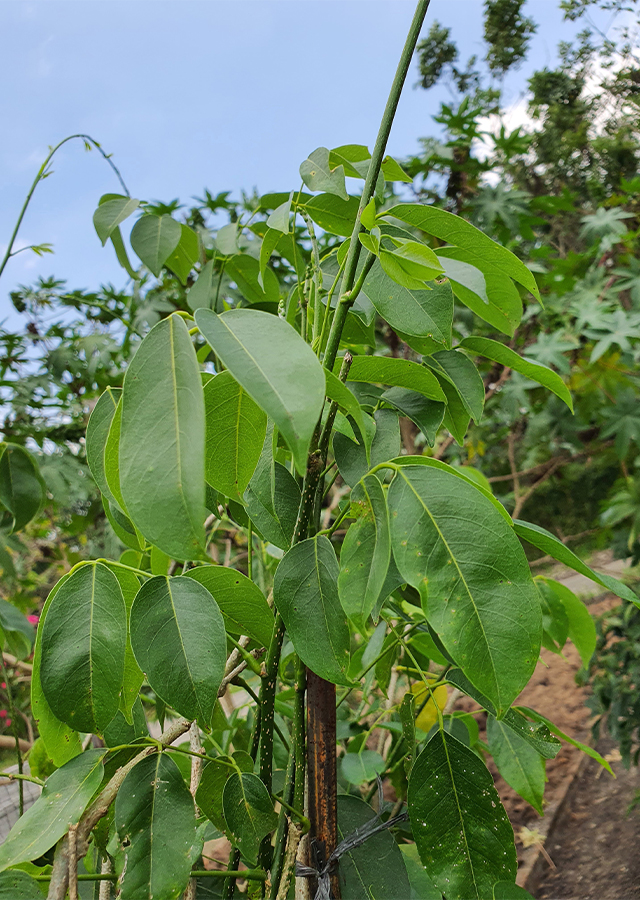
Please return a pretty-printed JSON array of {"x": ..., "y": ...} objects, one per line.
[
  {"x": 42, "y": 173},
  {"x": 372, "y": 176}
]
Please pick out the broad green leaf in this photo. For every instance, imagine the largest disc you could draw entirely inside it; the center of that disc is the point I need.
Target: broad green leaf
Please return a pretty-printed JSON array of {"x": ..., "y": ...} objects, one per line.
[
  {"x": 508, "y": 890},
  {"x": 393, "y": 171},
  {"x": 269, "y": 244},
  {"x": 159, "y": 562},
  {"x": 582, "y": 629},
  {"x": 133, "y": 676},
  {"x": 248, "y": 810},
  {"x": 305, "y": 591},
  {"x": 458, "y": 369},
  {"x": 376, "y": 869},
  {"x": 22, "y": 490},
  {"x": 555, "y": 622},
  {"x": 538, "y": 717},
  {"x": 61, "y": 742},
  {"x": 496, "y": 299},
  {"x": 112, "y": 460},
  {"x": 407, "y": 272},
  {"x": 318, "y": 175},
  {"x": 518, "y": 763},
  {"x": 425, "y": 313},
  {"x": 426, "y": 414},
  {"x": 162, "y": 441},
  {"x": 497, "y": 352},
  {"x": 154, "y": 238},
  {"x": 241, "y": 602},
  {"x": 64, "y": 797},
  {"x": 455, "y": 230},
  {"x": 214, "y": 777},
  {"x": 18, "y": 885},
  {"x": 341, "y": 394},
  {"x": 361, "y": 767},
  {"x": 244, "y": 270},
  {"x": 120, "y": 731},
  {"x": 227, "y": 239},
  {"x": 84, "y": 639},
  {"x": 155, "y": 820},
  {"x": 365, "y": 554},
  {"x": 422, "y": 888},
  {"x": 456, "y": 415},
  {"x": 397, "y": 373},
  {"x": 333, "y": 214},
  {"x": 272, "y": 499},
  {"x": 97, "y": 433},
  {"x": 122, "y": 526},
  {"x": 551, "y": 545},
  {"x": 451, "y": 544},
  {"x": 536, "y": 735},
  {"x": 352, "y": 458},
  {"x": 279, "y": 218},
  {"x": 110, "y": 214},
  {"x": 235, "y": 431},
  {"x": 18, "y": 631},
  {"x": 368, "y": 221},
  {"x": 356, "y": 160},
  {"x": 463, "y": 472},
  {"x": 179, "y": 641},
  {"x": 460, "y": 827},
  {"x": 275, "y": 367},
  {"x": 202, "y": 294},
  {"x": 182, "y": 260},
  {"x": 121, "y": 253}
]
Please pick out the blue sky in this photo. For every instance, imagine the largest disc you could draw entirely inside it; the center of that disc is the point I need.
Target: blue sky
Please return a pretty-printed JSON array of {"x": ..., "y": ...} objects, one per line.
[{"x": 195, "y": 93}]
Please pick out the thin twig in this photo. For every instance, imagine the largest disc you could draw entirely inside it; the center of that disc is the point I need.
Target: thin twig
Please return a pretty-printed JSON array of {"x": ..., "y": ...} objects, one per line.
[{"x": 73, "y": 862}]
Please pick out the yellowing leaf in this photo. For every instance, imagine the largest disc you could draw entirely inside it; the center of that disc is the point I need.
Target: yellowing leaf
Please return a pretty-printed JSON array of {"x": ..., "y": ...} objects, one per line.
[{"x": 427, "y": 715}]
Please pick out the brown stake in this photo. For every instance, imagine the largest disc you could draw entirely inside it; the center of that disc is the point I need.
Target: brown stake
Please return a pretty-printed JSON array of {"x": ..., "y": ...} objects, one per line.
[{"x": 321, "y": 761}]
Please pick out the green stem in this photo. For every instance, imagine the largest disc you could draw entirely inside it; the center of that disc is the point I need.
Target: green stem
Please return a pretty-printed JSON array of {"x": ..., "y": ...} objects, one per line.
[
  {"x": 42, "y": 173},
  {"x": 372, "y": 176},
  {"x": 250, "y": 551}
]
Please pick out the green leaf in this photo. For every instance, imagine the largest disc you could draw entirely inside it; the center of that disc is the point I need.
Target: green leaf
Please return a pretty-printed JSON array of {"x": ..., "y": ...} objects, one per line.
[
  {"x": 64, "y": 797},
  {"x": 269, "y": 243},
  {"x": 279, "y": 218},
  {"x": 133, "y": 675},
  {"x": 305, "y": 591},
  {"x": 341, "y": 394},
  {"x": 202, "y": 293},
  {"x": 162, "y": 441},
  {"x": 248, "y": 810},
  {"x": 22, "y": 490},
  {"x": 365, "y": 554},
  {"x": 19, "y": 886},
  {"x": 361, "y": 767},
  {"x": 83, "y": 649},
  {"x": 453, "y": 229},
  {"x": 227, "y": 239},
  {"x": 459, "y": 371},
  {"x": 119, "y": 731},
  {"x": 318, "y": 175},
  {"x": 182, "y": 260},
  {"x": 241, "y": 602},
  {"x": 407, "y": 272},
  {"x": 488, "y": 293},
  {"x": 451, "y": 544},
  {"x": 155, "y": 820},
  {"x": 122, "y": 526},
  {"x": 424, "y": 313},
  {"x": 393, "y": 171},
  {"x": 121, "y": 253},
  {"x": 582, "y": 629},
  {"x": 551, "y": 545},
  {"x": 178, "y": 638},
  {"x": 422, "y": 888},
  {"x": 214, "y": 777},
  {"x": 507, "y": 890},
  {"x": 245, "y": 271},
  {"x": 275, "y": 367},
  {"x": 272, "y": 497},
  {"x": 396, "y": 372},
  {"x": 61, "y": 742},
  {"x": 538, "y": 717},
  {"x": 154, "y": 238},
  {"x": 235, "y": 431},
  {"x": 460, "y": 827},
  {"x": 18, "y": 631},
  {"x": 112, "y": 462},
  {"x": 97, "y": 433},
  {"x": 110, "y": 214},
  {"x": 427, "y": 414},
  {"x": 517, "y": 761},
  {"x": 497, "y": 352},
  {"x": 368, "y": 218},
  {"x": 376, "y": 869},
  {"x": 333, "y": 214},
  {"x": 352, "y": 458}
]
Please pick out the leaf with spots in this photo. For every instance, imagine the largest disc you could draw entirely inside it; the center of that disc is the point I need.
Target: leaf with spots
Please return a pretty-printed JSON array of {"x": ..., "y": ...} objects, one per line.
[
  {"x": 461, "y": 830},
  {"x": 520, "y": 765},
  {"x": 179, "y": 641},
  {"x": 457, "y": 550}
]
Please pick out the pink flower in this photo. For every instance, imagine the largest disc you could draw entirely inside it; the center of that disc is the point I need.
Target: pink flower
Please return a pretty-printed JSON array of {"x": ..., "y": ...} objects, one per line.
[
  {"x": 33, "y": 619},
  {"x": 8, "y": 722},
  {"x": 3, "y": 714},
  {"x": 3, "y": 685}
]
